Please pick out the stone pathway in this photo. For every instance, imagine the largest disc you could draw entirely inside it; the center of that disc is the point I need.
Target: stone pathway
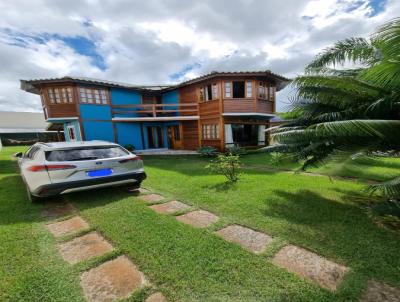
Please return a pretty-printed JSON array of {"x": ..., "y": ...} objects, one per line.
[
  {"x": 378, "y": 291},
  {"x": 150, "y": 198},
  {"x": 112, "y": 280},
  {"x": 249, "y": 239},
  {"x": 198, "y": 218},
  {"x": 170, "y": 207},
  {"x": 311, "y": 266},
  {"x": 84, "y": 247},
  {"x": 58, "y": 209},
  {"x": 67, "y": 227}
]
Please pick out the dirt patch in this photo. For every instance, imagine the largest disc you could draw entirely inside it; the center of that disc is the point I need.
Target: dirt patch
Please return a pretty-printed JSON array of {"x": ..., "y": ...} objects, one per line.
[
  {"x": 311, "y": 266},
  {"x": 378, "y": 291},
  {"x": 170, "y": 207},
  {"x": 151, "y": 198},
  {"x": 249, "y": 239},
  {"x": 112, "y": 280},
  {"x": 199, "y": 218},
  {"x": 157, "y": 297},
  {"x": 84, "y": 247},
  {"x": 67, "y": 227},
  {"x": 58, "y": 209}
]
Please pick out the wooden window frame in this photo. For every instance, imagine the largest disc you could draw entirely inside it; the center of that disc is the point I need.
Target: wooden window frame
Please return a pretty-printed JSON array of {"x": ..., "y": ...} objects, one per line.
[
  {"x": 210, "y": 132},
  {"x": 245, "y": 89},
  {"x": 90, "y": 96},
  {"x": 269, "y": 91},
  {"x": 57, "y": 95},
  {"x": 203, "y": 92}
]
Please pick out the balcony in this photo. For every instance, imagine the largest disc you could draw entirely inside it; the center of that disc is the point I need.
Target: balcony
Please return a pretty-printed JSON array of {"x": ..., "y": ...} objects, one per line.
[{"x": 155, "y": 112}]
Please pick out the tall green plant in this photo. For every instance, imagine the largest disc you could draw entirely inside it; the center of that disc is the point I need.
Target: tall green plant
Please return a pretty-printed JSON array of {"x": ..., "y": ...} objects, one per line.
[{"x": 345, "y": 111}]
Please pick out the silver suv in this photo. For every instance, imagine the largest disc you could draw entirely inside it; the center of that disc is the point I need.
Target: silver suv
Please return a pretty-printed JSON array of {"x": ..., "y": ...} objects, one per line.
[{"x": 56, "y": 168}]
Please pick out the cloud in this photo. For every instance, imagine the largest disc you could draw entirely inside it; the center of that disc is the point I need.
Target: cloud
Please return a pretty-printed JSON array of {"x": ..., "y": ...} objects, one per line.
[{"x": 152, "y": 42}]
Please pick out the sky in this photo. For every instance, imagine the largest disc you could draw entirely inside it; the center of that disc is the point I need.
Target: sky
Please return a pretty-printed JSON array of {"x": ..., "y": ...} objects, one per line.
[{"x": 165, "y": 42}]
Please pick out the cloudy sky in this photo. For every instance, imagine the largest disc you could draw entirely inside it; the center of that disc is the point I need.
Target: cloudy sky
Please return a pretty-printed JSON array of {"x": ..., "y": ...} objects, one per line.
[{"x": 154, "y": 41}]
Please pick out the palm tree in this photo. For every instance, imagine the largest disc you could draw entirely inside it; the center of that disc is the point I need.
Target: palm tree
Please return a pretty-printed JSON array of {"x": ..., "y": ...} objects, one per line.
[{"x": 348, "y": 111}]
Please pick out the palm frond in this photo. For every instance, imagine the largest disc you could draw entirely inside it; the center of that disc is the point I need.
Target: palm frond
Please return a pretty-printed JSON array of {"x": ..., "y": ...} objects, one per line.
[
  {"x": 352, "y": 49},
  {"x": 389, "y": 188}
]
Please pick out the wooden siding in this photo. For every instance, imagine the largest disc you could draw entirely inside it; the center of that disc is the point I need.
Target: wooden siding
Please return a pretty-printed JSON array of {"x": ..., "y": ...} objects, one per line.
[
  {"x": 239, "y": 105},
  {"x": 190, "y": 135},
  {"x": 62, "y": 110},
  {"x": 208, "y": 109},
  {"x": 264, "y": 106}
]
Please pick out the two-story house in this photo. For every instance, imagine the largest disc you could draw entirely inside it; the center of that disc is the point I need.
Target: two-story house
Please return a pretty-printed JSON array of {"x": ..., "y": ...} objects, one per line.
[{"x": 219, "y": 109}]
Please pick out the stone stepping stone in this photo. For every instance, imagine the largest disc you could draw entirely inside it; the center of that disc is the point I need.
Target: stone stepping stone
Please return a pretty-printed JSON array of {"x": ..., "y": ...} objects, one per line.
[
  {"x": 58, "y": 209},
  {"x": 249, "y": 239},
  {"x": 151, "y": 198},
  {"x": 378, "y": 291},
  {"x": 198, "y": 218},
  {"x": 170, "y": 207},
  {"x": 67, "y": 227},
  {"x": 156, "y": 297},
  {"x": 112, "y": 280},
  {"x": 311, "y": 266},
  {"x": 84, "y": 247},
  {"x": 143, "y": 191}
]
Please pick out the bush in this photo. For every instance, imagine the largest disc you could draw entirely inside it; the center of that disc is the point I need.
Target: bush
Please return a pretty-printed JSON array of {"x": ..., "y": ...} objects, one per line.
[
  {"x": 236, "y": 150},
  {"x": 227, "y": 165},
  {"x": 208, "y": 151},
  {"x": 129, "y": 147}
]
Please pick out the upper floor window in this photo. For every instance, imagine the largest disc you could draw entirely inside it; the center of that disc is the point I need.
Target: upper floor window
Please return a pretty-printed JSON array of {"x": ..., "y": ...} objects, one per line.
[
  {"x": 209, "y": 92},
  {"x": 93, "y": 96},
  {"x": 239, "y": 89},
  {"x": 265, "y": 91},
  {"x": 60, "y": 95}
]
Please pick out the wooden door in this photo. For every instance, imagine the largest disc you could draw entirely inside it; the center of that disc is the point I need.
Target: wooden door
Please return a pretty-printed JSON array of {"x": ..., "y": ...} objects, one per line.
[{"x": 175, "y": 137}]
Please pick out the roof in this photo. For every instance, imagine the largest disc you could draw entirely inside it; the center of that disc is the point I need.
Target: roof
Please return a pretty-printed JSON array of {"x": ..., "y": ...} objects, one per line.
[
  {"x": 22, "y": 122},
  {"x": 66, "y": 145},
  {"x": 31, "y": 85}
]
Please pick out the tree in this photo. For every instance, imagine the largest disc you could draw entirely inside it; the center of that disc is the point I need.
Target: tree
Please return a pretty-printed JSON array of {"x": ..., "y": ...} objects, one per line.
[{"x": 345, "y": 111}]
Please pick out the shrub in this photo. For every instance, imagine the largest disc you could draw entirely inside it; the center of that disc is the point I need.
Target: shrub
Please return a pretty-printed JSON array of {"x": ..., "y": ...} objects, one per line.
[
  {"x": 227, "y": 165},
  {"x": 208, "y": 151},
  {"x": 236, "y": 150},
  {"x": 129, "y": 147}
]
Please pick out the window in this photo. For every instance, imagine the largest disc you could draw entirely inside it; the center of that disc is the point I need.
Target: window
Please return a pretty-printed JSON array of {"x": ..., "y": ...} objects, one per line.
[
  {"x": 249, "y": 89},
  {"x": 209, "y": 92},
  {"x": 60, "y": 95},
  {"x": 228, "y": 89},
  {"x": 265, "y": 91},
  {"x": 93, "y": 96},
  {"x": 71, "y": 133},
  {"x": 85, "y": 153},
  {"x": 238, "y": 89},
  {"x": 210, "y": 131}
]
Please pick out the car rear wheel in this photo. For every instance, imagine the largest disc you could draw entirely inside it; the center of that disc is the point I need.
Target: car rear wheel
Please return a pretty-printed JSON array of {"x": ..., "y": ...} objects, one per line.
[{"x": 31, "y": 198}]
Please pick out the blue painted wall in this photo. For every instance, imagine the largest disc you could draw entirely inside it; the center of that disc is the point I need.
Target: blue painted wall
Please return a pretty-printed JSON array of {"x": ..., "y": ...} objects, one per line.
[
  {"x": 130, "y": 133},
  {"x": 125, "y": 97},
  {"x": 96, "y": 112},
  {"x": 171, "y": 97},
  {"x": 98, "y": 131}
]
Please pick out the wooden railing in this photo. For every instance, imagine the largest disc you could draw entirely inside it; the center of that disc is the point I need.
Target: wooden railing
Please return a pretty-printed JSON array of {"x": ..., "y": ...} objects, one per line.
[{"x": 154, "y": 110}]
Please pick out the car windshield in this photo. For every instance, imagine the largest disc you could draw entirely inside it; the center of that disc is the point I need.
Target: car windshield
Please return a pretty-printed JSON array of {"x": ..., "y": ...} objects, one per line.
[{"x": 85, "y": 153}]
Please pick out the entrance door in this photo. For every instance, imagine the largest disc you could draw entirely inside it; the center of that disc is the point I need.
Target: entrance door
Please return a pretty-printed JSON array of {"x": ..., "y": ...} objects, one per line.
[
  {"x": 175, "y": 137},
  {"x": 155, "y": 137}
]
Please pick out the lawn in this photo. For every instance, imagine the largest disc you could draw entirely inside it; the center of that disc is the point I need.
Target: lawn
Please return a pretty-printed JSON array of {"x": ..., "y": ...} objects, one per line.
[{"x": 189, "y": 264}]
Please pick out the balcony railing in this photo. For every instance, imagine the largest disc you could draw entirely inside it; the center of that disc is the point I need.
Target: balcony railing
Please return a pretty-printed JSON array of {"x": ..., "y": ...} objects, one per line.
[{"x": 155, "y": 110}]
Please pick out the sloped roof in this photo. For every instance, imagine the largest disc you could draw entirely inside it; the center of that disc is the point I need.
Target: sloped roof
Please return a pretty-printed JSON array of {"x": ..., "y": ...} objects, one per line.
[
  {"x": 31, "y": 85},
  {"x": 22, "y": 122}
]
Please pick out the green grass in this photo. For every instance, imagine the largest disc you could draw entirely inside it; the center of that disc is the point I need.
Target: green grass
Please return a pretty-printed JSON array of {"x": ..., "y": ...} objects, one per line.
[
  {"x": 189, "y": 264},
  {"x": 374, "y": 169},
  {"x": 30, "y": 267}
]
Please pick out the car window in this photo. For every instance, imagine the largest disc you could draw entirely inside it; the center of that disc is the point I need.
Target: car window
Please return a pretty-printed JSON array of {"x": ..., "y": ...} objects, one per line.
[
  {"x": 32, "y": 152},
  {"x": 87, "y": 153}
]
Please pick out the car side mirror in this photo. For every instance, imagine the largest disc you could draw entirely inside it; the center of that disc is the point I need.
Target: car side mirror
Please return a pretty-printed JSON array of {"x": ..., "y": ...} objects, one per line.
[{"x": 19, "y": 154}]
